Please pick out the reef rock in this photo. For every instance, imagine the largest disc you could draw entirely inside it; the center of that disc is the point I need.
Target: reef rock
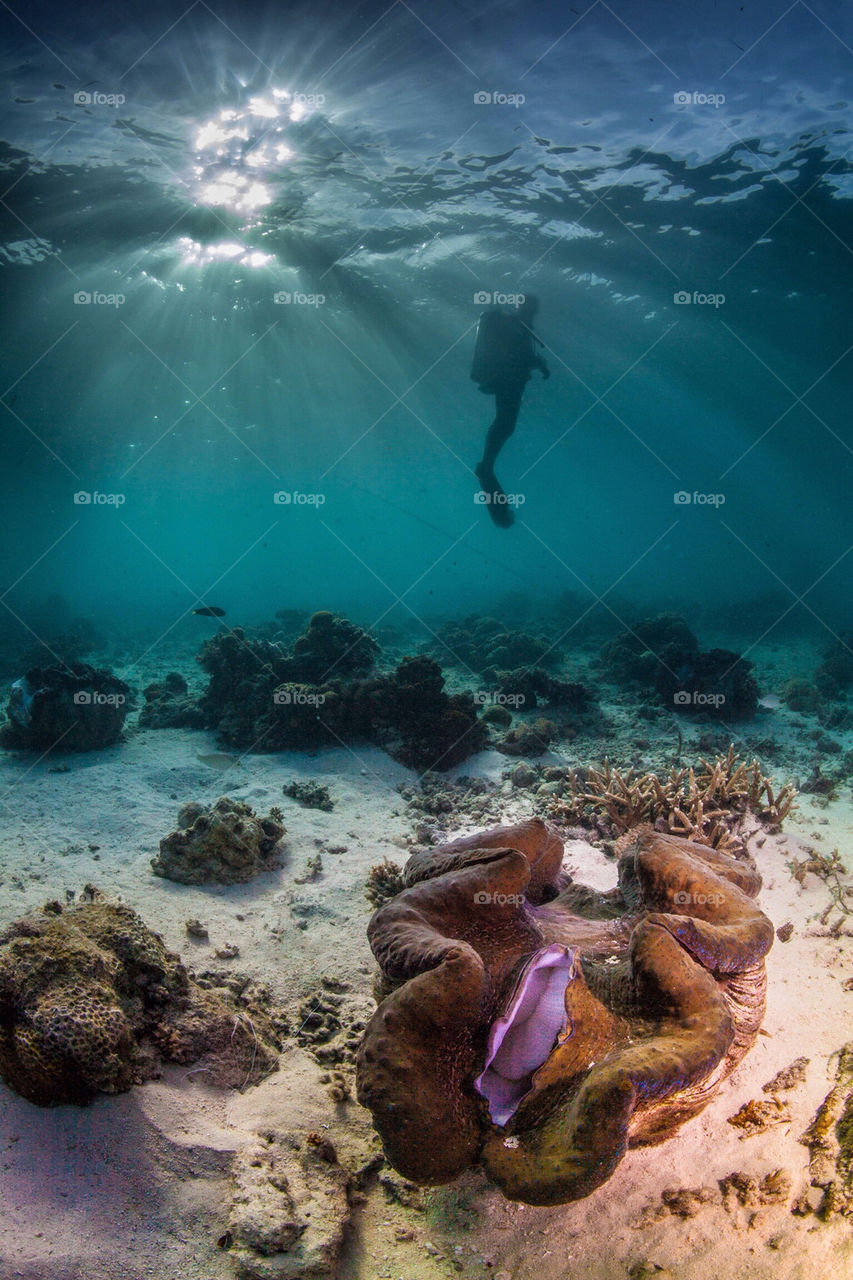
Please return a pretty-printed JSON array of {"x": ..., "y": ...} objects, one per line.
[
  {"x": 715, "y": 682},
  {"x": 290, "y": 1208},
  {"x": 227, "y": 843},
  {"x": 539, "y": 1028},
  {"x": 169, "y": 705},
  {"x": 531, "y": 738},
  {"x": 651, "y": 644},
  {"x": 417, "y": 722},
  {"x": 91, "y": 1001},
  {"x": 73, "y": 708}
]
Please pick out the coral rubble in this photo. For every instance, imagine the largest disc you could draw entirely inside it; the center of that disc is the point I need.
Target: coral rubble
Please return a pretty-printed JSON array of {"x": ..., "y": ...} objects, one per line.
[
  {"x": 829, "y": 1139},
  {"x": 290, "y": 1208}
]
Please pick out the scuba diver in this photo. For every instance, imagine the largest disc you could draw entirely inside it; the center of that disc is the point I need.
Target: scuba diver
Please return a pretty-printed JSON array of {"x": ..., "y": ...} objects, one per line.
[{"x": 504, "y": 356}]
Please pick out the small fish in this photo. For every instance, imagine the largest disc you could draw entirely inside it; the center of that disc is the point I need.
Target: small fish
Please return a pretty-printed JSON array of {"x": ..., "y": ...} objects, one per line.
[
  {"x": 218, "y": 760},
  {"x": 770, "y": 701},
  {"x": 209, "y": 611}
]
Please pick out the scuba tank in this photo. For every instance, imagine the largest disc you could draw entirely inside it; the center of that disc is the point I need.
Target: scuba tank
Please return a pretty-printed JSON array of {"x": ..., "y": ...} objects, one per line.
[
  {"x": 503, "y": 351},
  {"x": 489, "y": 351}
]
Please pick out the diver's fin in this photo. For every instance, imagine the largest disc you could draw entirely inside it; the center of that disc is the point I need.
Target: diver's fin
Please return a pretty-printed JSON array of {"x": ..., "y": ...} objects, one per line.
[{"x": 494, "y": 498}]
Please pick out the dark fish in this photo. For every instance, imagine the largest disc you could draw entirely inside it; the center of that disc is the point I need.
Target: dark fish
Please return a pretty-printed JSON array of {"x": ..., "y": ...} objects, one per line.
[{"x": 210, "y": 611}]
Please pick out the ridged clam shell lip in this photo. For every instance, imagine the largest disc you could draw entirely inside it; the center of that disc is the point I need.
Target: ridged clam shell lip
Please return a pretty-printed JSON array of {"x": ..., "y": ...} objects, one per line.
[{"x": 522, "y": 1038}]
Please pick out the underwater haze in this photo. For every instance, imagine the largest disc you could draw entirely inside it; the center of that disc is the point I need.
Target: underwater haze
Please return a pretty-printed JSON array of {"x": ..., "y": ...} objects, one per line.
[{"x": 244, "y": 252}]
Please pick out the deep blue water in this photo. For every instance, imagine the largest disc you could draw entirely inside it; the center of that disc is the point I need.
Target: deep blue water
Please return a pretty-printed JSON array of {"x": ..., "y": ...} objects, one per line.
[{"x": 223, "y": 154}]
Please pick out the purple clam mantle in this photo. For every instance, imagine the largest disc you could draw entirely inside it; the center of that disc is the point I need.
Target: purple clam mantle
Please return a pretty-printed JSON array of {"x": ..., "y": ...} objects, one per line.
[{"x": 522, "y": 1038}]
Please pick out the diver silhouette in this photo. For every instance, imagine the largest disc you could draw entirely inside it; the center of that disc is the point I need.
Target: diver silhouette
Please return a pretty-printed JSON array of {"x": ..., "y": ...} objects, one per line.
[{"x": 504, "y": 355}]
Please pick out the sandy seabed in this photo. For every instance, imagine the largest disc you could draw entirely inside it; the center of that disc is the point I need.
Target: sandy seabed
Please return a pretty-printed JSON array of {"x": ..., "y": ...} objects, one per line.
[{"x": 138, "y": 1185}]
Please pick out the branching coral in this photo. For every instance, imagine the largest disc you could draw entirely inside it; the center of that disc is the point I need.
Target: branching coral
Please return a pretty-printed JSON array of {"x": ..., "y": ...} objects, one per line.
[
  {"x": 829, "y": 868},
  {"x": 707, "y": 804}
]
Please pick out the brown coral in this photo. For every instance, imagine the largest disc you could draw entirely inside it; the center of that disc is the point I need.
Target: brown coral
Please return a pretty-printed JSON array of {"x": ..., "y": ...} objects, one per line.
[
  {"x": 88, "y": 994},
  {"x": 227, "y": 843},
  {"x": 663, "y": 994}
]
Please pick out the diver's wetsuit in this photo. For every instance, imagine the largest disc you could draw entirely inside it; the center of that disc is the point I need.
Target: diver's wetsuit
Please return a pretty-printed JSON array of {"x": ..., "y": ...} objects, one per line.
[{"x": 515, "y": 359}]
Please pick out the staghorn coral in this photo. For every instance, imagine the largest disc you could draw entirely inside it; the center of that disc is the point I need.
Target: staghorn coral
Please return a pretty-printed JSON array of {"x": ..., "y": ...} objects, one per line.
[
  {"x": 91, "y": 1000},
  {"x": 539, "y": 1028},
  {"x": 829, "y": 868},
  {"x": 707, "y": 804},
  {"x": 227, "y": 843}
]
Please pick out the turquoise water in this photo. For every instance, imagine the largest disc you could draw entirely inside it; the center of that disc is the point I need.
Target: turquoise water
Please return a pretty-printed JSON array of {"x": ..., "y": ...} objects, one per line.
[{"x": 339, "y": 155}]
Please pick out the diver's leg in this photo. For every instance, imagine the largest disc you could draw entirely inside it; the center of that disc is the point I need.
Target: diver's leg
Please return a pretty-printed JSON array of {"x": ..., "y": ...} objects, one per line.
[{"x": 507, "y": 405}]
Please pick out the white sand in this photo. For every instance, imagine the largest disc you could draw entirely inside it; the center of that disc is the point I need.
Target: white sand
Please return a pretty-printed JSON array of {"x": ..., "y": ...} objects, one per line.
[{"x": 137, "y": 1185}]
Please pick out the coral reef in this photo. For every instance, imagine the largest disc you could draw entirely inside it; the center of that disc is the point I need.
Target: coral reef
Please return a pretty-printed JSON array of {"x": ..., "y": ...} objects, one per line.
[
  {"x": 261, "y": 698},
  {"x": 418, "y": 723},
  {"x": 708, "y": 804},
  {"x": 539, "y": 1028},
  {"x": 801, "y": 695},
  {"x": 534, "y": 685},
  {"x": 663, "y": 654},
  {"x": 332, "y": 646},
  {"x": 486, "y": 644},
  {"x": 310, "y": 794},
  {"x": 227, "y": 843},
  {"x": 91, "y": 1001},
  {"x": 834, "y": 675},
  {"x": 713, "y": 683},
  {"x": 73, "y": 708},
  {"x": 651, "y": 644},
  {"x": 170, "y": 705}
]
